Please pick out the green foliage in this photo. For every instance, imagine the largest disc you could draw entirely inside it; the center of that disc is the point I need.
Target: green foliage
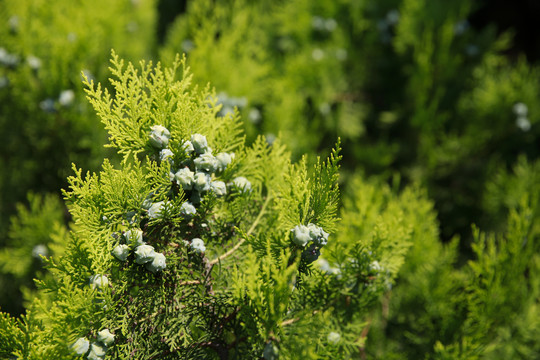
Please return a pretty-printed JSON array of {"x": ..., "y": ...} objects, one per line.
[
  {"x": 270, "y": 66},
  {"x": 484, "y": 309},
  {"x": 394, "y": 234},
  {"x": 31, "y": 228},
  {"x": 239, "y": 265},
  {"x": 35, "y": 231},
  {"x": 201, "y": 304},
  {"x": 45, "y": 121},
  {"x": 425, "y": 305},
  {"x": 409, "y": 86},
  {"x": 501, "y": 293},
  {"x": 507, "y": 189}
]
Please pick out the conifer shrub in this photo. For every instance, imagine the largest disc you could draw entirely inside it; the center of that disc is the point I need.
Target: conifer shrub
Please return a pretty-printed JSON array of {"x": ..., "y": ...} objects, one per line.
[
  {"x": 200, "y": 238},
  {"x": 194, "y": 246}
]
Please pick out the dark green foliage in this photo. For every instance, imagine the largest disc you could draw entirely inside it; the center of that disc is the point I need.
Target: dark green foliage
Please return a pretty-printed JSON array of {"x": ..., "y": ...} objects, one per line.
[
  {"x": 45, "y": 121},
  {"x": 409, "y": 86},
  {"x": 480, "y": 310},
  {"x": 34, "y": 231}
]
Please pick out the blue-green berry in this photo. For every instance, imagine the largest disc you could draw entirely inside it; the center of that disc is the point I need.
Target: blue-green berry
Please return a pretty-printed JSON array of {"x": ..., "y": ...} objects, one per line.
[
  {"x": 33, "y": 62},
  {"x": 324, "y": 265},
  {"x": 144, "y": 254},
  {"x": 202, "y": 182},
  {"x": 187, "y": 209},
  {"x": 198, "y": 245},
  {"x": 121, "y": 252},
  {"x": 40, "y": 250},
  {"x": 185, "y": 178},
  {"x": 66, "y": 97},
  {"x": 48, "y": 106},
  {"x": 105, "y": 337},
  {"x": 333, "y": 337},
  {"x": 219, "y": 188},
  {"x": 200, "y": 145},
  {"x": 206, "y": 162},
  {"x": 147, "y": 203},
  {"x": 187, "y": 146},
  {"x": 301, "y": 235},
  {"x": 523, "y": 123},
  {"x": 158, "y": 263},
  {"x": 242, "y": 184},
  {"x": 134, "y": 237},
  {"x": 97, "y": 352},
  {"x": 159, "y": 136},
  {"x": 166, "y": 155},
  {"x": 99, "y": 281},
  {"x": 520, "y": 109},
  {"x": 155, "y": 209},
  {"x": 270, "y": 352},
  {"x": 375, "y": 266},
  {"x": 81, "y": 346},
  {"x": 317, "y": 234},
  {"x": 223, "y": 160}
]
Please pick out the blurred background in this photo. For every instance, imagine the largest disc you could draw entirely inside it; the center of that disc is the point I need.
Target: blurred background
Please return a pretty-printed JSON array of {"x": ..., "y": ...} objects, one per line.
[{"x": 439, "y": 94}]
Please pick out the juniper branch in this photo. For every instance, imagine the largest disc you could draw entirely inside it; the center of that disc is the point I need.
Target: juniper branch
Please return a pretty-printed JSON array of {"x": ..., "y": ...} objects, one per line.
[{"x": 251, "y": 229}]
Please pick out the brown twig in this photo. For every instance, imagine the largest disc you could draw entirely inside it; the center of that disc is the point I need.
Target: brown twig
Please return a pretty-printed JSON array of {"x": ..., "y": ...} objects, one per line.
[
  {"x": 292, "y": 321},
  {"x": 362, "y": 337},
  {"x": 238, "y": 244},
  {"x": 189, "y": 282},
  {"x": 251, "y": 229},
  {"x": 289, "y": 322}
]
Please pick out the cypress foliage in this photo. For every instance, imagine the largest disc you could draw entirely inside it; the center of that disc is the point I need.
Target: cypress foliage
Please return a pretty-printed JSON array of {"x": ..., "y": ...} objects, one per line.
[
  {"x": 198, "y": 237},
  {"x": 188, "y": 249}
]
